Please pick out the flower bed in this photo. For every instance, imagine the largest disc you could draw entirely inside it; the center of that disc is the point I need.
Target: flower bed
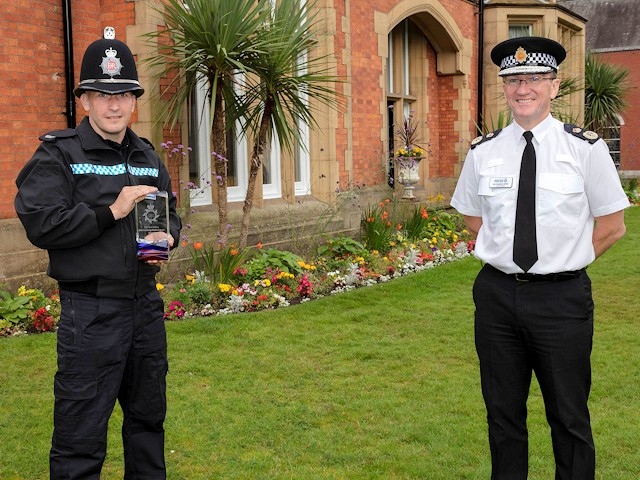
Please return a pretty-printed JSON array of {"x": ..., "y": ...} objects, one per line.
[
  {"x": 224, "y": 280},
  {"x": 29, "y": 310},
  {"x": 395, "y": 243}
]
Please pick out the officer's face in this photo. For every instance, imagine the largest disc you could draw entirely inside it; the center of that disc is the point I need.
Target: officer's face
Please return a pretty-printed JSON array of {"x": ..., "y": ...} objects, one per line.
[
  {"x": 109, "y": 115},
  {"x": 530, "y": 97}
]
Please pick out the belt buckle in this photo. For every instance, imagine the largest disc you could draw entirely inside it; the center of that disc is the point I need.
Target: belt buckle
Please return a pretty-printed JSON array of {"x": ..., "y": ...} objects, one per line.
[{"x": 521, "y": 277}]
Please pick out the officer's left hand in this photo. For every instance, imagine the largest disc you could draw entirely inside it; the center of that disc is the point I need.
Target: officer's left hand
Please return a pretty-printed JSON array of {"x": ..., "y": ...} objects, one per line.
[{"x": 154, "y": 237}]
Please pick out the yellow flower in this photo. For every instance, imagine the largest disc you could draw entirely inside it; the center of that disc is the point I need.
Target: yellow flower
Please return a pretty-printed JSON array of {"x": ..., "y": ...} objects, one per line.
[
  {"x": 159, "y": 286},
  {"x": 224, "y": 288},
  {"x": 190, "y": 278},
  {"x": 22, "y": 291}
]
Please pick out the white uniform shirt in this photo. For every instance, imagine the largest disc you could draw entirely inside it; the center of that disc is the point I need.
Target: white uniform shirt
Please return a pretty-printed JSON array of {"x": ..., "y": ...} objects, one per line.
[{"x": 576, "y": 181}]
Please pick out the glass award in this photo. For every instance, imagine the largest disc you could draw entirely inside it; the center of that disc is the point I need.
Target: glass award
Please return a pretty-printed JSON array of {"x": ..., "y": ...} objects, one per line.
[{"x": 152, "y": 227}]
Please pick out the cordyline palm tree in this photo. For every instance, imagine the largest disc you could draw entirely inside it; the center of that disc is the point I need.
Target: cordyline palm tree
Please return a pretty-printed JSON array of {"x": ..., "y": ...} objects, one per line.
[
  {"x": 218, "y": 39},
  {"x": 286, "y": 75},
  {"x": 208, "y": 39},
  {"x": 604, "y": 94}
]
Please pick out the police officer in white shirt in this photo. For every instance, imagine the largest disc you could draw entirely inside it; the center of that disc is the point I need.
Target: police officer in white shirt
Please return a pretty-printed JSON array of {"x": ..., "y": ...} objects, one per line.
[{"x": 536, "y": 314}]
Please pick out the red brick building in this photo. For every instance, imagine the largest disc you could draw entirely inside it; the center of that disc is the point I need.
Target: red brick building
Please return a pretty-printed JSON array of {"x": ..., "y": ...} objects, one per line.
[
  {"x": 619, "y": 46},
  {"x": 398, "y": 57}
]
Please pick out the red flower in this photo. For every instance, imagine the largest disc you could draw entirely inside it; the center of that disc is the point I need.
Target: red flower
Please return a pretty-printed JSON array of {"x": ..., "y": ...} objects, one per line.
[
  {"x": 304, "y": 287},
  {"x": 42, "y": 321}
]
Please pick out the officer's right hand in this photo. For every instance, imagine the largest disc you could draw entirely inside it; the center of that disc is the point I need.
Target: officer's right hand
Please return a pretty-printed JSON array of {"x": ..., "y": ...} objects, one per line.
[{"x": 127, "y": 199}]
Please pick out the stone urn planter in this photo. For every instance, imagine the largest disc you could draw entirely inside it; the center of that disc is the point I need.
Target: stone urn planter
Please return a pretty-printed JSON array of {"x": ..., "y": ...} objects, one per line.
[{"x": 408, "y": 175}]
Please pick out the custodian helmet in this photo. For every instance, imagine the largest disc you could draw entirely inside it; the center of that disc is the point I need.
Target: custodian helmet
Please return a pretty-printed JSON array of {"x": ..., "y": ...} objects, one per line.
[{"x": 108, "y": 66}]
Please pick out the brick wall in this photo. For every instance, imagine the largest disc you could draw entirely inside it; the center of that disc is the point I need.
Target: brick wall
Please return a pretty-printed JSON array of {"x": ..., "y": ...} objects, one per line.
[
  {"x": 629, "y": 142},
  {"x": 32, "y": 65},
  {"x": 367, "y": 93},
  {"x": 32, "y": 69}
]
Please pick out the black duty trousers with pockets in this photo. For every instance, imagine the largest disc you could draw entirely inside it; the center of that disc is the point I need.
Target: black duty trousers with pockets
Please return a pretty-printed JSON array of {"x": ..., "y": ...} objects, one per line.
[
  {"x": 108, "y": 349},
  {"x": 546, "y": 328}
]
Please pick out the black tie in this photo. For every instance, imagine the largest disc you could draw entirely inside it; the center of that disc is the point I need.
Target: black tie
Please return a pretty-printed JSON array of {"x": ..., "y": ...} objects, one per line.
[{"x": 525, "y": 249}]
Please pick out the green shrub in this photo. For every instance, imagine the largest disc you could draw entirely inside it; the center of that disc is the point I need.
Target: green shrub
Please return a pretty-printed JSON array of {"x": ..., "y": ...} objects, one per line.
[
  {"x": 271, "y": 260},
  {"x": 217, "y": 263},
  {"x": 341, "y": 247},
  {"x": 14, "y": 308},
  {"x": 376, "y": 228},
  {"x": 416, "y": 225}
]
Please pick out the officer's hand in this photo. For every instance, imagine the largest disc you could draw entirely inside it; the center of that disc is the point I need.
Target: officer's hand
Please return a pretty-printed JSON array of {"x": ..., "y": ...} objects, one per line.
[
  {"x": 127, "y": 199},
  {"x": 154, "y": 237}
]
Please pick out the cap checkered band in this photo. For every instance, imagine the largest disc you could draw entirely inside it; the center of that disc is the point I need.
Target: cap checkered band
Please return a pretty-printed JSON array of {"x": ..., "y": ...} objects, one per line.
[{"x": 533, "y": 59}]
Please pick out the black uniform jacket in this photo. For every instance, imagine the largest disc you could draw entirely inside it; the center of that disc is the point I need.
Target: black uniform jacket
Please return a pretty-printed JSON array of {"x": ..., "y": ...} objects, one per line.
[{"x": 63, "y": 199}]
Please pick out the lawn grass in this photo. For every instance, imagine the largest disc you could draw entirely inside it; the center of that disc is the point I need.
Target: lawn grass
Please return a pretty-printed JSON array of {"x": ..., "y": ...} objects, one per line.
[{"x": 378, "y": 383}]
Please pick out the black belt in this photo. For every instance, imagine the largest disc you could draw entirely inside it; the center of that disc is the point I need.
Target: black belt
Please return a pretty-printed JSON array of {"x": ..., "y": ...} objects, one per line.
[{"x": 534, "y": 277}]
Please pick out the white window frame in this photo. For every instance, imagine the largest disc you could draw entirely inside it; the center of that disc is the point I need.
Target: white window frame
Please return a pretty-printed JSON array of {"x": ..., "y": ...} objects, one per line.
[{"x": 202, "y": 196}]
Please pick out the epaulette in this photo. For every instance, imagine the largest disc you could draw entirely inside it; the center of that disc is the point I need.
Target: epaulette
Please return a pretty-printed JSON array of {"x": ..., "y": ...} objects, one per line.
[
  {"x": 53, "y": 136},
  {"x": 581, "y": 133},
  {"x": 484, "y": 138}
]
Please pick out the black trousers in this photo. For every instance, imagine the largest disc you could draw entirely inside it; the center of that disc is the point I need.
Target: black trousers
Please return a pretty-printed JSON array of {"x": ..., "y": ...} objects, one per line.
[
  {"x": 542, "y": 327},
  {"x": 108, "y": 349}
]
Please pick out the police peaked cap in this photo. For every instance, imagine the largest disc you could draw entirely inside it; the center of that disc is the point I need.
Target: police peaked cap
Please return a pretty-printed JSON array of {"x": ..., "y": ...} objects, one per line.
[
  {"x": 524, "y": 55},
  {"x": 108, "y": 66}
]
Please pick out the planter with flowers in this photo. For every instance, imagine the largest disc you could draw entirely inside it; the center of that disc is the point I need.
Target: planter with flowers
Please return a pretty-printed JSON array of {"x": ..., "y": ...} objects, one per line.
[
  {"x": 408, "y": 157},
  {"x": 407, "y": 163}
]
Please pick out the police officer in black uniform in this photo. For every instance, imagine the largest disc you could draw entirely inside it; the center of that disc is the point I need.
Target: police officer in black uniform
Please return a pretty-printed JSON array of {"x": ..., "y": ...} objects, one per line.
[{"x": 75, "y": 199}]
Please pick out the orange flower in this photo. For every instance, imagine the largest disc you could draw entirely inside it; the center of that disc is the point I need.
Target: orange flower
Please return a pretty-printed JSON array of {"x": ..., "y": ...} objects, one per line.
[
  {"x": 184, "y": 243},
  {"x": 259, "y": 245},
  {"x": 399, "y": 227},
  {"x": 423, "y": 213},
  {"x": 197, "y": 245},
  {"x": 233, "y": 252}
]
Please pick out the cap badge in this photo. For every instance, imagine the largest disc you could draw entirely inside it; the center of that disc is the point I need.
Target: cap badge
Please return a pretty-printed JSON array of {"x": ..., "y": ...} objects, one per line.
[
  {"x": 521, "y": 55},
  {"x": 111, "y": 64}
]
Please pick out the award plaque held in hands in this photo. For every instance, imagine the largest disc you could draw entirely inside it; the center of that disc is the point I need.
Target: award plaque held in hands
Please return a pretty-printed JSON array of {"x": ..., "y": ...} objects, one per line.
[{"x": 152, "y": 227}]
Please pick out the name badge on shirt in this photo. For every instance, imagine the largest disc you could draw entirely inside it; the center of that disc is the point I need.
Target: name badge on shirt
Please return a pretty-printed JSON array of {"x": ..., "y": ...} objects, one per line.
[{"x": 501, "y": 182}]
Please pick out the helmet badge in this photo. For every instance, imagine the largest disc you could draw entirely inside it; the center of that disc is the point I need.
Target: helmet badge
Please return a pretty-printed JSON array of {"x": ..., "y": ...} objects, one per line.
[{"x": 111, "y": 64}]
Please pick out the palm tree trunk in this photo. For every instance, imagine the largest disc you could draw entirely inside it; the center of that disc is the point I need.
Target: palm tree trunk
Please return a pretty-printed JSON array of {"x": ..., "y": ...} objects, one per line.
[
  {"x": 256, "y": 163},
  {"x": 219, "y": 165}
]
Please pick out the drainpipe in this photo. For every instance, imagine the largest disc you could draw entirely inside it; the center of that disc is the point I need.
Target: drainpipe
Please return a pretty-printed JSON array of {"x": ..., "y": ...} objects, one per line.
[
  {"x": 70, "y": 111},
  {"x": 479, "y": 120}
]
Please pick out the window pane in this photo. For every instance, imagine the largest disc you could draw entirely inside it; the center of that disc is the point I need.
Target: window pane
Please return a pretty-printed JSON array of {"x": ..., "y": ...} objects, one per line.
[{"x": 516, "y": 31}]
